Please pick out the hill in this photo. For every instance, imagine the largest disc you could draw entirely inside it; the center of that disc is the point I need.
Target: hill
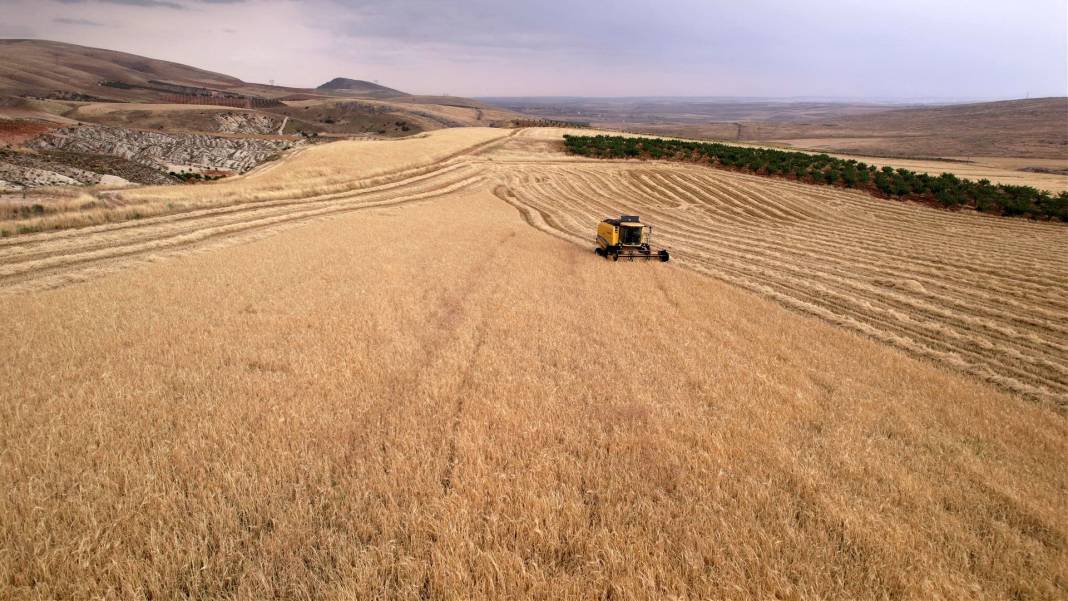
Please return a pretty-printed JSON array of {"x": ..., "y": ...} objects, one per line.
[
  {"x": 72, "y": 74},
  {"x": 1035, "y": 128},
  {"x": 360, "y": 87},
  {"x": 43, "y": 68},
  {"x": 62, "y": 71},
  {"x": 1004, "y": 115},
  {"x": 136, "y": 104},
  {"x": 693, "y": 111}
]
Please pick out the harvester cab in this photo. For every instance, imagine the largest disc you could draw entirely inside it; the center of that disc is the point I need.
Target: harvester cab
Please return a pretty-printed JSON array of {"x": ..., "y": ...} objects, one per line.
[{"x": 627, "y": 238}]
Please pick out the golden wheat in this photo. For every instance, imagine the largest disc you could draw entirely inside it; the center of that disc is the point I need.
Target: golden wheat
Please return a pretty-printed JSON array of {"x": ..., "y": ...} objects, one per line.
[{"x": 423, "y": 397}]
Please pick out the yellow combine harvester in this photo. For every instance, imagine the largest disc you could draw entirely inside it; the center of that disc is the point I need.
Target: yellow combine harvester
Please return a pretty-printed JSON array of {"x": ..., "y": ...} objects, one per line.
[{"x": 626, "y": 237}]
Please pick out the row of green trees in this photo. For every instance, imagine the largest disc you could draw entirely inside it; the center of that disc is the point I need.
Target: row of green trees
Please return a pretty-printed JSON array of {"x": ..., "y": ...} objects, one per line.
[{"x": 947, "y": 189}]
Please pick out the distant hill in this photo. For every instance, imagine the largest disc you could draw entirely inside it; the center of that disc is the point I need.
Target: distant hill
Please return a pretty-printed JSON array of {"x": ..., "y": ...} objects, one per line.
[
  {"x": 59, "y": 70},
  {"x": 1004, "y": 115},
  {"x": 446, "y": 101},
  {"x": 42, "y": 68},
  {"x": 360, "y": 87},
  {"x": 55, "y": 82},
  {"x": 1036, "y": 127},
  {"x": 69, "y": 74}
]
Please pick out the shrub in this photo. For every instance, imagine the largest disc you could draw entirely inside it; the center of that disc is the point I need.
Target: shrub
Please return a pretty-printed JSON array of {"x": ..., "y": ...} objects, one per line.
[{"x": 850, "y": 177}]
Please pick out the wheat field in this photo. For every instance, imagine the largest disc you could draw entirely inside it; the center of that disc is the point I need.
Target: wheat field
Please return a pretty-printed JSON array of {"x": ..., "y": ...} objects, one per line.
[
  {"x": 401, "y": 389},
  {"x": 982, "y": 294}
]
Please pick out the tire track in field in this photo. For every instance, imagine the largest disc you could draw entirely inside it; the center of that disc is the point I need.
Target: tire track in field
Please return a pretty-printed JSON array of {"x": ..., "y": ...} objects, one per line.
[{"x": 985, "y": 295}]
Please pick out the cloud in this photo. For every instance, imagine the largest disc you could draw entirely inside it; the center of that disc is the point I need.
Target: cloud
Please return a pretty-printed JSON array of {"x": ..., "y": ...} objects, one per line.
[
  {"x": 852, "y": 48},
  {"x": 16, "y": 30},
  {"x": 83, "y": 22},
  {"x": 712, "y": 47},
  {"x": 140, "y": 3},
  {"x": 174, "y": 5}
]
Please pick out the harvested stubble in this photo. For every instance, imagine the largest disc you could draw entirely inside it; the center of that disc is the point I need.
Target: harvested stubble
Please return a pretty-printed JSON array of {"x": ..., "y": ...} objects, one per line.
[
  {"x": 985, "y": 295},
  {"x": 417, "y": 401}
]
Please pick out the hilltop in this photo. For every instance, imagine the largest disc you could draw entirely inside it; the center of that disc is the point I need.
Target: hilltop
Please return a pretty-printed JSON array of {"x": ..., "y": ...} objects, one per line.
[{"x": 360, "y": 87}]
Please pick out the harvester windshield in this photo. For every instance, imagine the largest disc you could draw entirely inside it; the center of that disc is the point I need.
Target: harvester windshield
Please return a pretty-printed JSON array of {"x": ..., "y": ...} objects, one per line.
[{"x": 630, "y": 235}]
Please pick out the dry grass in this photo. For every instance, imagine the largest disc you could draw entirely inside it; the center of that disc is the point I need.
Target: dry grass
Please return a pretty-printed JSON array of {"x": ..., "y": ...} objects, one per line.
[{"x": 426, "y": 399}]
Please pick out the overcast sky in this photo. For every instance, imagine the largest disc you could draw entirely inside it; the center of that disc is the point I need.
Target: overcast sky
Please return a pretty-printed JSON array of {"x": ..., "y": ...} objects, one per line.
[{"x": 842, "y": 48}]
